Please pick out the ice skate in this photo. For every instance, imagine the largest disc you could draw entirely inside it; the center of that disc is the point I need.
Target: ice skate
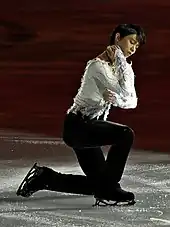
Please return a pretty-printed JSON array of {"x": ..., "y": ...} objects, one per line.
[
  {"x": 30, "y": 184},
  {"x": 118, "y": 197}
]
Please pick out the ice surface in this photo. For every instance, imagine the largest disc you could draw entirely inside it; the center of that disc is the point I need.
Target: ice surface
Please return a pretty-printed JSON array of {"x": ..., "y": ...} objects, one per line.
[{"x": 147, "y": 175}]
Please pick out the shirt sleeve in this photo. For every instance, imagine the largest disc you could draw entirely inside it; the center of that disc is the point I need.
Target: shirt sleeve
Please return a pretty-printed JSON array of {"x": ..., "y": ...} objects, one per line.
[
  {"x": 122, "y": 87},
  {"x": 127, "y": 96},
  {"x": 128, "y": 103}
]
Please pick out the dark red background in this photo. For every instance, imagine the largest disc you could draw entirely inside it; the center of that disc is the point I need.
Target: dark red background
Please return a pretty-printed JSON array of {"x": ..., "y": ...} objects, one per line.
[{"x": 44, "y": 46}]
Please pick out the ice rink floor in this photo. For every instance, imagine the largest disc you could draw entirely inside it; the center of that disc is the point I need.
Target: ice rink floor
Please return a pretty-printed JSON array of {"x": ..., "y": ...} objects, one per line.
[{"x": 147, "y": 175}]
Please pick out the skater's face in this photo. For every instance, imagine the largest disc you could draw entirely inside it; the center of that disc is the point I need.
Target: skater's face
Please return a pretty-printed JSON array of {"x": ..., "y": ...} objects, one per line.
[{"x": 128, "y": 44}]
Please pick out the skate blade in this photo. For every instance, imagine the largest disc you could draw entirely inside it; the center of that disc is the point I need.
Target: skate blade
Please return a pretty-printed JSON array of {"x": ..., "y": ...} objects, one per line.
[
  {"x": 103, "y": 203},
  {"x": 31, "y": 172}
]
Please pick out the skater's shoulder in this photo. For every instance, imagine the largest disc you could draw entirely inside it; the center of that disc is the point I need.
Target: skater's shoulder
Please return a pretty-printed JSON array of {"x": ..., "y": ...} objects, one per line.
[
  {"x": 97, "y": 64},
  {"x": 98, "y": 61}
]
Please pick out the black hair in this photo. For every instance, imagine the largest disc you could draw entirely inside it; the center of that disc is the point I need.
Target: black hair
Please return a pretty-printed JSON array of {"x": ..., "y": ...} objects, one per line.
[{"x": 128, "y": 29}]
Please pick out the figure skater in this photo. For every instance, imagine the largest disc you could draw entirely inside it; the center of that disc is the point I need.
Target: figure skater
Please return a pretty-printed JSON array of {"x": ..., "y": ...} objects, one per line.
[{"x": 108, "y": 80}]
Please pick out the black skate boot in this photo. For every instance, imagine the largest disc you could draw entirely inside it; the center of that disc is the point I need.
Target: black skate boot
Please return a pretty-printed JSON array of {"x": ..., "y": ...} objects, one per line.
[
  {"x": 31, "y": 182},
  {"x": 117, "y": 196}
]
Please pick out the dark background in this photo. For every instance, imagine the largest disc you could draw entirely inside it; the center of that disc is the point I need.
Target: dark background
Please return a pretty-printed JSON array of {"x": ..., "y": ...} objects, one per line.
[{"x": 44, "y": 46}]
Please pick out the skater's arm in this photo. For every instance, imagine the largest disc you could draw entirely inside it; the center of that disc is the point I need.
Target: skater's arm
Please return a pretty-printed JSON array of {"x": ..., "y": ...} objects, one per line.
[
  {"x": 124, "y": 97},
  {"x": 127, "y": 98},
  {"x": 124, "y": 72},
  {"x": 130, "y": 102}
]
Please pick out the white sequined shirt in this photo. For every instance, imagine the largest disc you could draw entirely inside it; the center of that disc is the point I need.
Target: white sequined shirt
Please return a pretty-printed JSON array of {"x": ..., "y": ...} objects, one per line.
[{"x": 98, "y": 76}]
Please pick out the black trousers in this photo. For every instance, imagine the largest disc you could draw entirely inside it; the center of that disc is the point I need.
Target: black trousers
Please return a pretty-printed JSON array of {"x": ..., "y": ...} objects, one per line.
[{"x": 86, "y": 137}]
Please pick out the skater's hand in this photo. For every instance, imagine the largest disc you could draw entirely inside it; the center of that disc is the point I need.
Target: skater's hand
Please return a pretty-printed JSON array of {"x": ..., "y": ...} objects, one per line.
[{"x": 109, "y": 96}]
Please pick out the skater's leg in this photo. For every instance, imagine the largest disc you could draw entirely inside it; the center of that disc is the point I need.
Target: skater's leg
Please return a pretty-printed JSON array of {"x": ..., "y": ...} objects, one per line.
[
  {"x": 120, "y": 137},
  {"x": 91, "y": 160},
  {"x": 96, "y": 133},
  {"x": 118, "y": 154},
  {"x": 44, "y": 178},
  {"x": 88, "y": 138},
  {"x": 80, "y": 133},
  {"x": 93, "y": 164},
  {"x": 88, "y": 135},
  {"x": 115, "y": 164}
]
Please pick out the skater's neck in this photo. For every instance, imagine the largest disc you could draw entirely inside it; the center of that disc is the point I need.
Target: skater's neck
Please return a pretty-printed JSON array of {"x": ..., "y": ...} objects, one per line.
[{"x": 104, "y": 56}]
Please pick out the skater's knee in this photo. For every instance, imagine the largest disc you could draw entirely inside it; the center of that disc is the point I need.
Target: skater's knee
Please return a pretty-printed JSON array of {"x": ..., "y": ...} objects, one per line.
[{"x": 129, "y": 133}]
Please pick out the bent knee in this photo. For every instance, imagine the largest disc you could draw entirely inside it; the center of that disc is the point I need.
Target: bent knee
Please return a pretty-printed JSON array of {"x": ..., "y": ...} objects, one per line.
[{"x": 128, "y": 132}]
